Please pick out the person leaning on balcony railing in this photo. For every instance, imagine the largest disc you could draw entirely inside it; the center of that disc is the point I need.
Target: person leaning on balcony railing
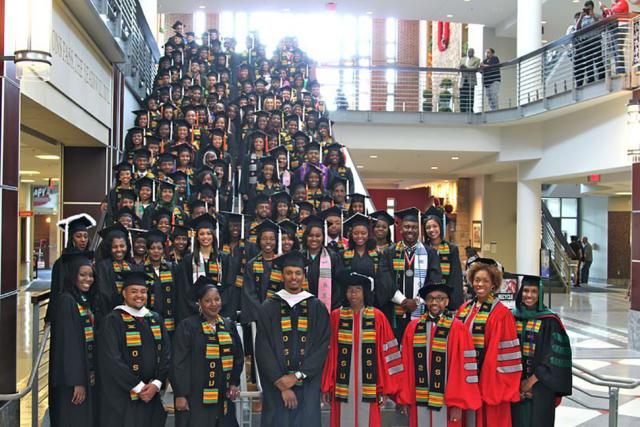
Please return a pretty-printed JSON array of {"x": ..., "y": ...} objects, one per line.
[
  {"x": 468, "y": 66},
  {"x": 615, "y": 39},
  {"x": 588, "y": 63},
  {"x": 491, "y": 77}
]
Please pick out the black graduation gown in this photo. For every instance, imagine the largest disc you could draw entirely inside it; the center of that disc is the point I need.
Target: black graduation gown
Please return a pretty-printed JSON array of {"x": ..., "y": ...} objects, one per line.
[
  {"x": 69, "y": 366},
  {"x": 117, "y": 378},
  {"x": 271, "y": 365},
  {"x": 552, "y": 366},
  {"x": 229, "y": 292},
  {"x": 454, "y": 279},
  {"x": 346, "y": 173},
  {"x": 383, "y": 291},
  {"x": 106, "y": 284},
  {"x": 313, "y": 275},
  {"x": 58, "y": 271},
  {"x": 190, "y": 372},
  {"x": 254, "y": 289}
]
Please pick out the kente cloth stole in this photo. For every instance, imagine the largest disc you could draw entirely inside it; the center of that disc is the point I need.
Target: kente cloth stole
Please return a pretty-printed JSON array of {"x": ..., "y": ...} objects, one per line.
[
  {"x": 445, "y": 263},
  {"x": 214, "y": 270},
  {"x": 287, "y": 333},
  {"x": 479, "y": 325},
  {"x": 87, "y": 319},
  {"x": 368, "y": 356},
  {"x": 398, "y": 270},
  {"x": 166, "y": 282},
  {"x": 218, "y": 349},
  {"x": 119, "y": 267},
  {"x": 430, "y": 389},
  {"x": 348, "y": 255},
  {"x": 527, "y": 331},
  {"x": 133, "y": 341},
  {"x": 253, "y": 234},
  {"x": 226, "y": 249}
]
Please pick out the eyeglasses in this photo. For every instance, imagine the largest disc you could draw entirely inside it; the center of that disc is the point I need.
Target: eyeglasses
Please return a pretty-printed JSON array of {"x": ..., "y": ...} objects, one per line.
[{"x": 436, "y": 299}]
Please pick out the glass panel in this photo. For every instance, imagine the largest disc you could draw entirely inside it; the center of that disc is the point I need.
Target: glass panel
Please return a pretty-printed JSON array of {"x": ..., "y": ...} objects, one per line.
[
  {"x": 569, "y": 227},
  {"x": 570, "y": 208},
  {"x": 553, "y": 204}
]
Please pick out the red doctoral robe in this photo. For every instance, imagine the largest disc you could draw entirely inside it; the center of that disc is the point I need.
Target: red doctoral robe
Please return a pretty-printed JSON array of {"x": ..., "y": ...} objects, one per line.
[
  {"x": 388, "y": 366},
  {"x": 501, "y": 369},
  {"x": 461, "y": 389}
]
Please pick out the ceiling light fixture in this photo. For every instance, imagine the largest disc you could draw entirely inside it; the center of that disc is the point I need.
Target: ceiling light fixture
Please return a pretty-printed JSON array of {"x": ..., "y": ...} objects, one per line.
[
  {"x": 29, "y": 173},
  {"x": 359, "y": 167},
  {"x": 623, "y": 193},
  {"x": 202, "y": 6},
  {"x": 449, "y": 15},
  {"x": 455, "y": 158},
  {"x": 545, "y": 41},
  {"x": 48, "y": 157},
  {"x": 544, "y": 22},
  {"x": 286, "y": 9},
  {"x": 368, "y": 12},
  {"x": 373, "y": 156},
  {"x": 27, "y": 181},
  {"x": 434, "y": 168}
]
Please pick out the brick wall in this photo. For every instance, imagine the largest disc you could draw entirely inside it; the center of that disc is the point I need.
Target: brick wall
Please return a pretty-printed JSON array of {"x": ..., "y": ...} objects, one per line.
[
  {"x": 407, "y": 91},
  {"x": 618, "y": 249},
  {"x": 378, "y": 79}
]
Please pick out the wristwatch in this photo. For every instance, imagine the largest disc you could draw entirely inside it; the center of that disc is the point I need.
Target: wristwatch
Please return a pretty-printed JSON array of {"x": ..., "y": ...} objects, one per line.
[{"x": 299, "y": 375}]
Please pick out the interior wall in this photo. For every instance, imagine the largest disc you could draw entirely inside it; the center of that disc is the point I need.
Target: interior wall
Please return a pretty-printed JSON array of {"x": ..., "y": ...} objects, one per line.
[
  {"x": 594, "y": 225},
  {"x": 619, "y": 238},
  {"x": 499, "y": 222}
]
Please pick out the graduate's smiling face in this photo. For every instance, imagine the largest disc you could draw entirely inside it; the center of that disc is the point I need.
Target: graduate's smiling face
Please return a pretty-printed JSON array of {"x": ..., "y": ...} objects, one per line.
[
  {"x": 118, "y": 248},
  {"x": 355, "y": 296},
  {"x": 432, "y": 228},
  {"x": 282, "y": 209},
  {"x": 180, "y": 243},
  {"x": 135, "y": 296},
  {"x": 436, "y": 302},
  {"x": 140, "y": 246},
  {"x": 380, "y": 230},
  {"x": 315, "y": 238},
  {"x": 359, "y": 234},
  {"x": 293, "y": 278},
  {"x": 410, "y": 232},
  {"x": 210, "y": 303},
  {"x": 482, "y": 284},
  {"x": 267, "y": 241},
  {"x": 156, "y": 250},
  {"x": 234, "y": 229},
  {"x": 205, "y": 237},
  {"x": 530, "y": 297},
  {"x": 84, "y": 279},
  {"x": 287, "y": 243}
]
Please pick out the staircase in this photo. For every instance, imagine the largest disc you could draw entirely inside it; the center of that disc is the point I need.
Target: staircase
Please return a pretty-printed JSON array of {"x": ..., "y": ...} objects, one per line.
[{"x": 559, "y": 250}]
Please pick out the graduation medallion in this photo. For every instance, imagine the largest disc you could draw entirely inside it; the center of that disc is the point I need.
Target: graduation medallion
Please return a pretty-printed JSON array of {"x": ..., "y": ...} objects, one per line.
[{"x": 408, "y": 273}]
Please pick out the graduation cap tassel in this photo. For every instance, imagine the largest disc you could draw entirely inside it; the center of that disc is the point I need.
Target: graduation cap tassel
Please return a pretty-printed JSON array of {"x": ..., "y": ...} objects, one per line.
[
  {"x": 217, "y": 233},
  {"x": 217, "y": 202},
  {"x": 66, "y": 234},
  {"x": 419, "y": 226},
  {"x": 326, "y": 233},
  {"x": 341, "y": 224},
  {"x": 330, "y": 129},
  {"x": 193, "y": 241},
  {"x": 279, "y": 241},
  {"x": 206, "y": 207},
  {"x": 130, "y": 243},
  {"x": 241, "y": 226},
  {"x": 153, "y": 190},
  {"x": 444, "y": 225}
]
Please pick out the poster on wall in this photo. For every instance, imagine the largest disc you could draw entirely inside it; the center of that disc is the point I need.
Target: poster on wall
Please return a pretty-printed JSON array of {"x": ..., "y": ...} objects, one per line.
[
  {"x": 476, "y": 234},
  {"x": 44, "y": 198},
  {"x": 508, "y": 290}
]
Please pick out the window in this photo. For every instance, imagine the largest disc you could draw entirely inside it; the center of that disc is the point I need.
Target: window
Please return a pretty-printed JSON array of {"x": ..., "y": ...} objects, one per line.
[
  {"x": 199, "y": 24},
  {"x": 391, "y": 50},
  {"x": 565, "y": 210}
]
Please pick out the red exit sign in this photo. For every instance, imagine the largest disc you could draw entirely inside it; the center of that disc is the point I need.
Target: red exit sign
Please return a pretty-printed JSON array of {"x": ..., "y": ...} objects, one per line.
[
  {"x": 24, "y": 214},
  {"x": 594, "y": 177}
]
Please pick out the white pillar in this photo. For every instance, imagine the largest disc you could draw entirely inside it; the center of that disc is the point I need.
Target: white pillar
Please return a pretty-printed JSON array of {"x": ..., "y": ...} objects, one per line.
[
  {"x": 529, "y": 22},
  {"x": 528, "y": 227}
]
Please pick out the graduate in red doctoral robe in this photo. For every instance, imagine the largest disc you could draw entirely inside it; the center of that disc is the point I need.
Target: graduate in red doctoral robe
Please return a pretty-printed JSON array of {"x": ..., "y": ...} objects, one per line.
[
  {"x": 364, "y": 364},
  {"x": 440, "y": 376},
  {"x": 493, "y": 329}
]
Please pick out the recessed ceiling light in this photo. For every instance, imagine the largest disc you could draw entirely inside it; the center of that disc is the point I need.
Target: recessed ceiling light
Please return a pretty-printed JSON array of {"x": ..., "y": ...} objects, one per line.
[
  {"x": 543, "y": 22},
  {"x": 373, "y": 156},
  {"x": 27, "y": 181},
  {"x": 576, "y": 1},
  {"x": 455, "y": 158},
  {"x": 449, "y": 15},
  {"x": 623, "y": 193},
  {"x": 47, "y": 157},
  {"x": 446, "y": 180},
  {"x": 202, "y": 6},
  {"x": 54, "y": 179},
  {"x": 434, "y": 168},
  {"x": 29, "y": 173},
  {"x": 467, "y": 1},
  {"x": 368, "y": 12},
  {"x": 359, "y": 166},
  {"x": 545, "y": 41}
]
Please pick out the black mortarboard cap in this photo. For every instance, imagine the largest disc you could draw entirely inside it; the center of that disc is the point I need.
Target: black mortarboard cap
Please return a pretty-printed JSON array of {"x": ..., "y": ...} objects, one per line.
[
  {"x": 179, "y": 230},
  {"x": 338, "y": 180},
  {"x": 201, "y": 286},
  {"x": 312, "y": 146},
  {"x": 156, "y": 235},
  {"x": 409, "y": 214},
  {"x": 332, "y": 211},
  {"x": 432, "y": 287},
  {"x": 160, "y": 213},
  {"x": 281, "y": 196},
  {"x": 205, "y": 220},
  {"x": 291, "y": 259},
  {"x": 144, "y": 182},
  {"x": 122, "y": 166},
  {"x": 79, "y": 222},
  {"x": 313, "y": 220},
  {"x": 134, "y": 277},
  {"x": 127, "y": 193},
  {"x": 305, "y": 206},
  {"x": 260, "y": 199},
  {"x": 357, "y": 219},
  {"x": 266, "y": 225},
  {"x": 357, "y": 197},
  {"x": 116, "y": 230},
  {"x": 125, "y": 211},
  {"x": 288, "y": 227},
  {"x": 277, "y": 151},
  {"x": 382, "y": 216},
  {"x": 142, "y": 152}
]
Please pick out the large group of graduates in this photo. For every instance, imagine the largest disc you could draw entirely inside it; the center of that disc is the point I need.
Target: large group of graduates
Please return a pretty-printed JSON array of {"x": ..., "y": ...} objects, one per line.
[{"x": 234, "y": 244}]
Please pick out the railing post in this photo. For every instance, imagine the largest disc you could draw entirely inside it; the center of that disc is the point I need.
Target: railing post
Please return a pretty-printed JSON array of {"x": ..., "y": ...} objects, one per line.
[
  {"x": 613, "y": 406},
  {"x": 35, "y": 345}
]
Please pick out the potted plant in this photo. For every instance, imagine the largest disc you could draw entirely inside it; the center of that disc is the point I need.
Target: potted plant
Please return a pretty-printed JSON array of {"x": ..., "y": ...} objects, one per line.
[{"x": 427, "y": 103}]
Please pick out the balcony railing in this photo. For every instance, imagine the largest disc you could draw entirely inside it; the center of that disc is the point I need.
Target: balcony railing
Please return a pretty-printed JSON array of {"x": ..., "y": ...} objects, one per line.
[{"x": 605, "y": 52}]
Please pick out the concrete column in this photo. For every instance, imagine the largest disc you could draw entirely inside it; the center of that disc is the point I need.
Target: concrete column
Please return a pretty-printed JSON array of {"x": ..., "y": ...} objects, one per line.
[
  {"x": 529, "y": 24},
  {"x": 634, "y": 312},
  {"x": 528, "y": 226}
]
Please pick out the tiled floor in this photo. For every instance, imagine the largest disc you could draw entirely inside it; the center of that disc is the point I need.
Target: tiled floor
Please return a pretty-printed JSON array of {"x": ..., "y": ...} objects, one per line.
[{"x": 597, "y": 326}]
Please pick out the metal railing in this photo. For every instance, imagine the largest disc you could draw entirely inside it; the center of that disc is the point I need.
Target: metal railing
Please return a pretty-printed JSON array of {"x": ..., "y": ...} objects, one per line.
[
  {"x": 601, "y": 52},
  {"x": 554, "y": 241},
  {"x": 37, "y": 384},
  {"x": 614, "y": 384}
]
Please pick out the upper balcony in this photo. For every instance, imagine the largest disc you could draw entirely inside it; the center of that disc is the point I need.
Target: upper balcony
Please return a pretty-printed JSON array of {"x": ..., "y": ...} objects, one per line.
[{"x": 598, "y": 61}]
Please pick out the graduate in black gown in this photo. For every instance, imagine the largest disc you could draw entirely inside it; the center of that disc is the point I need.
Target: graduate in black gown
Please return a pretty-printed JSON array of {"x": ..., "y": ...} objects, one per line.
[
  {"x": 72, "y": 362},
  {"x": 259, "y": 283},
  {"x": 449, "y": 258},
  {"x": 116, "y": 259},
  {"x": 291, "y": 347},
  {"x": 546, "y": 358},
  {"x": 133, "y": 360},
  {"x": 207, "y": 363},
  {"x": 363, "y": 258},
  {"x": 324, "y": 264},
  {"x": 76, "y": 235},
  {"x": 206, "y": 260}
]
